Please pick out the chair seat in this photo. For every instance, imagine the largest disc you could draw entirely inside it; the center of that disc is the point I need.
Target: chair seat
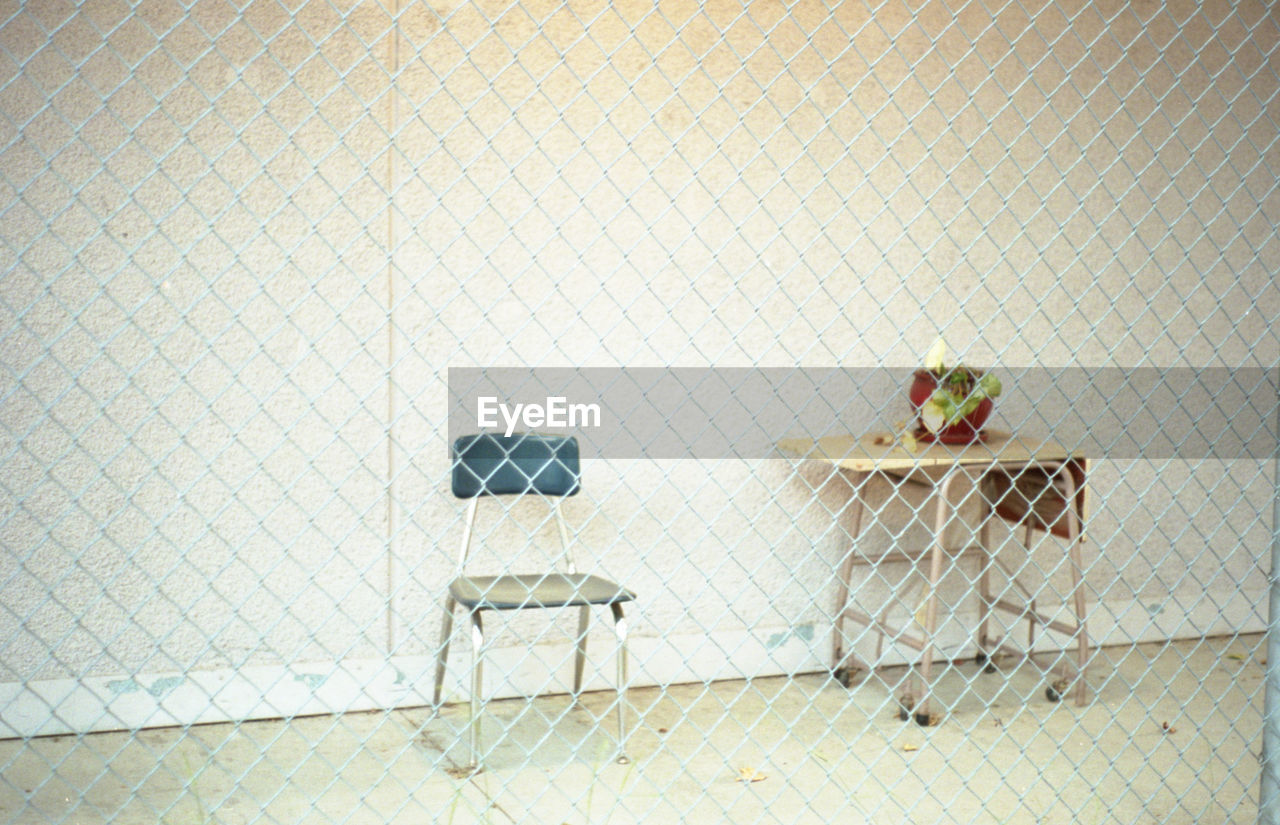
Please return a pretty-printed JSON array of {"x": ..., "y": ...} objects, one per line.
[{"x": 540, "y": 590}]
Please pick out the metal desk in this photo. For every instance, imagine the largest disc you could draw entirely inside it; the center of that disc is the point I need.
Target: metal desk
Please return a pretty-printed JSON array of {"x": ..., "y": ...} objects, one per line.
[{"x": 1034, "y": 483}]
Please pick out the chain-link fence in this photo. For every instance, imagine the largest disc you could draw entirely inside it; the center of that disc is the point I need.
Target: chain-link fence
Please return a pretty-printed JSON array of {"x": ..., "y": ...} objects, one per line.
[{"x": 245, "y": 246}]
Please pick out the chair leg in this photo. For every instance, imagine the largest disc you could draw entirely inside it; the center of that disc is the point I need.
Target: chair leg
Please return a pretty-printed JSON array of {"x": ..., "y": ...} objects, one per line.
[
  {"x": 442, "y": 656},
  {"x": 620, "y": 630},
  {"x": 580, "y": 657},
  {"x": 477, "y": 683}
]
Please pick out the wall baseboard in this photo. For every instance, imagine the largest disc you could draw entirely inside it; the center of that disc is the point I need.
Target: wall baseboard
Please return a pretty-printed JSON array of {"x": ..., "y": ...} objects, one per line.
[{"x": 110, "y": 703}]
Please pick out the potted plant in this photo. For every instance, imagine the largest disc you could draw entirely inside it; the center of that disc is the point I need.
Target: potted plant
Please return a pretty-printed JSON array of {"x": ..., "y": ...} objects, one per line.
[{"x": 951, "y": 403}]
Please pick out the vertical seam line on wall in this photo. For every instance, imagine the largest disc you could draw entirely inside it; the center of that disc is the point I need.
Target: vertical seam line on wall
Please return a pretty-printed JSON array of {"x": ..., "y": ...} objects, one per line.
[{"x": 392, "y": 520}]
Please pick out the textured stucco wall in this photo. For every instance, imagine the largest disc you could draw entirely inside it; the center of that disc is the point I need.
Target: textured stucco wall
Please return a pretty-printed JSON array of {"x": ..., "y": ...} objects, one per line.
[{"x": 240, "y": 251}]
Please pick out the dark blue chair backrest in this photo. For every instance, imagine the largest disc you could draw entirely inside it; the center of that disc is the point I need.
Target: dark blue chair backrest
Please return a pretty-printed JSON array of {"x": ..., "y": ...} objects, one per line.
[{"x": 495, "y": 465}]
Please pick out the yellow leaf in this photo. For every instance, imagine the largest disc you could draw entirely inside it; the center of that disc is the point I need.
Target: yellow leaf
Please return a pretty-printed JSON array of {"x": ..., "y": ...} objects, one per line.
[
  {"x": 937, "y": 356},
  {"x": 922, "y": 612},
  {"x": 910, "y": 748},
  {"x": 933, "y": 416},
  {"x": 909, "y": 442},
  {"x": 749, "y": 775}
]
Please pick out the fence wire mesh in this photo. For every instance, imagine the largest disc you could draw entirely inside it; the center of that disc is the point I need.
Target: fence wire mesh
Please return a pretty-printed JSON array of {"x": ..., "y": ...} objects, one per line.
[{"x": 245, "y": 243}]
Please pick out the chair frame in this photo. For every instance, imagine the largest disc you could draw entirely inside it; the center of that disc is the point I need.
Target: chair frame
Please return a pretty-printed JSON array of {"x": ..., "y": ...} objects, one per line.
[{"x": 478, "y": 641}]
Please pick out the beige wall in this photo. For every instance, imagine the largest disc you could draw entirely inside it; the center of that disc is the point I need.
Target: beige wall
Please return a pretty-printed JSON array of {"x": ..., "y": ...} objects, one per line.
[{"x": 239, "y": 254}]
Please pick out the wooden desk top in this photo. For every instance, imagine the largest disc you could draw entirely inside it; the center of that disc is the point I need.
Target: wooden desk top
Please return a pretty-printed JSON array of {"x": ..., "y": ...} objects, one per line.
[{"x": 881, "y": 452}]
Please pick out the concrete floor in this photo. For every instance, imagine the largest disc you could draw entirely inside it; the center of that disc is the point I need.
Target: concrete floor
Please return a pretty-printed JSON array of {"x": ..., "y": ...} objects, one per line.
[{"x": 1170, "y": 736}]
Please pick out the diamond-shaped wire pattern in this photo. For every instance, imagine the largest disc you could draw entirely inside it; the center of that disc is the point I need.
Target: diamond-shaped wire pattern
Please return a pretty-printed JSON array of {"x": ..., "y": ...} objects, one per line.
[{"x": 243, "y": 243}]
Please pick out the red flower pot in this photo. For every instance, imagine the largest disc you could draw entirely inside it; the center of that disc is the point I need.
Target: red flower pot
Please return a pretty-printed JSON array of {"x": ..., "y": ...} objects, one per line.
[{"x": 965, "y": 431}]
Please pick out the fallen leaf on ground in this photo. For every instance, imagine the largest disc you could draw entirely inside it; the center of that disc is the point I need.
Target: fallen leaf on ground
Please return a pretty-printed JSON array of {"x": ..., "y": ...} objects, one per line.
[
  {"x": 1167, "y": 728},
  {"x": 910, "y": 748},
  {"x": 749, "y": 775},
  {"x": 1239, "y": 657}
]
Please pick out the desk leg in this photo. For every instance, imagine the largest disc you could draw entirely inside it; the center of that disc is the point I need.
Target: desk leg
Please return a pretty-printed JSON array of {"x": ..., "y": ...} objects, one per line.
[
  {"x": 839, "y": 658},
  {"x": 983, "y": 658},
  {"x": 1077, "y": 591},
  {"x": 943, "y": 514}
]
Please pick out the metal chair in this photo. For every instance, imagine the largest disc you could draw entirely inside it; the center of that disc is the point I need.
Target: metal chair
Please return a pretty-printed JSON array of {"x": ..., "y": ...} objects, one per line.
[{"x": 515, "y": 465}]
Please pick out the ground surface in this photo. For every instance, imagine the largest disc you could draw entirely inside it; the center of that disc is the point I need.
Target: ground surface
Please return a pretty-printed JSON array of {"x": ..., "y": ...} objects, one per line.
[{"x": 1170, "y": 736}]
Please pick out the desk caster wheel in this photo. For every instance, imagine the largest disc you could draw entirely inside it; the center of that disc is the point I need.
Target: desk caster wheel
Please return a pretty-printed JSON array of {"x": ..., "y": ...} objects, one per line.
[
  {"x": 985, "y": 662},
  {"x": 1057, "y": 690},
  {"x": 906, "y": 706}
]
